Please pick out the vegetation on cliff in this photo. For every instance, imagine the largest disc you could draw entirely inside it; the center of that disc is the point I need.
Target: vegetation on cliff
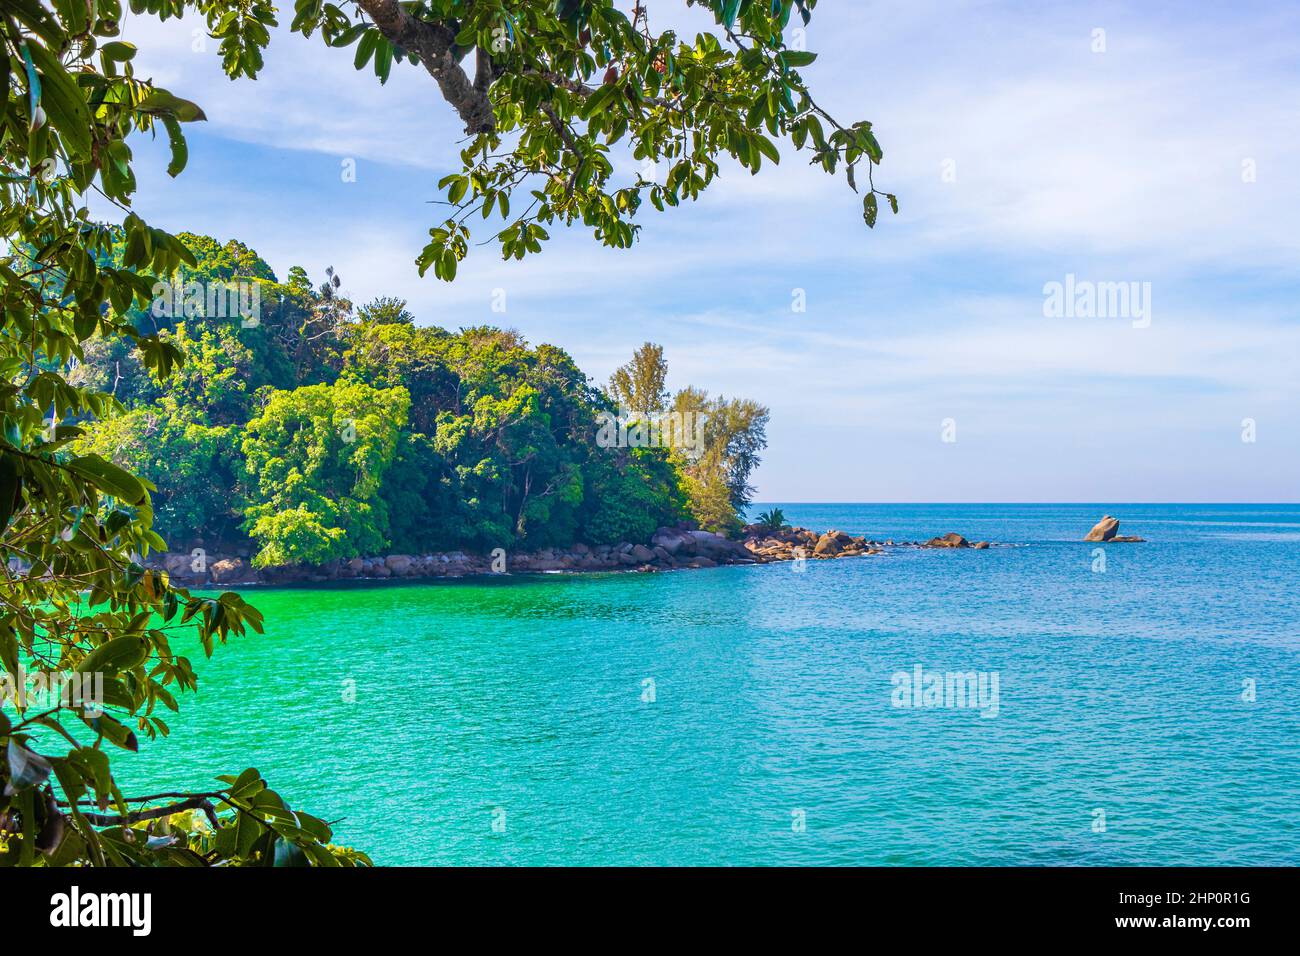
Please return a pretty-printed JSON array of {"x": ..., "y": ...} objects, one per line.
[{"x": 323, "y": 431}]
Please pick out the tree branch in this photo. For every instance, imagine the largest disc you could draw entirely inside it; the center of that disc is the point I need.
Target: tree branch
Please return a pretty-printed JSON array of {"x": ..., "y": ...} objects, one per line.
[
  {"x": 154, "y": 813},
  {"x": 435, "y": 46}
]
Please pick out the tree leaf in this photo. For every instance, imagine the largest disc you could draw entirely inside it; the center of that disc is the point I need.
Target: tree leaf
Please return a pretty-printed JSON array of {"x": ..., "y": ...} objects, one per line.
[
  {"x": 26, "y": 768},
  {"x": 796, "y": 58},
  {"x": 119, "y": 654},
  {"x": 176, "y": 139},
  {"x": 288, "y": 854},
  {"x": 161, "y": 101},
  {"x": 109, "y": 478},
  {"x": 63, "y": 102}
]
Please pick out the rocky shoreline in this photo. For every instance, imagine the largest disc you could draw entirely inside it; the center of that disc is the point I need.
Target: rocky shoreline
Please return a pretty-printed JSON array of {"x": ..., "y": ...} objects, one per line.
[{"x": 669, "y": 549}]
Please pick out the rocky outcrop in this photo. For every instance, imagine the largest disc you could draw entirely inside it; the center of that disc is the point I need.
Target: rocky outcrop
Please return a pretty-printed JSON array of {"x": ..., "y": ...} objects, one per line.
[
  {"x": 788, "y": 544},
  {"x": 950, "y": 540},
  {"x": 669, "y": 549},
  {"x": 1107, "y": 530},
  {"x": 1103, "y": 530}
]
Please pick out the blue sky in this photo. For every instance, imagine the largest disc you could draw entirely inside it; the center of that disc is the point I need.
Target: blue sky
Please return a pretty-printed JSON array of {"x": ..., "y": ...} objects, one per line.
[{"x": 1128, "y": 165}]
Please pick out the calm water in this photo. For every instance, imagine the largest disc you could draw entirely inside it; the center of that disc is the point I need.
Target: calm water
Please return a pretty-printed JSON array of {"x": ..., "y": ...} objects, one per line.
[{"x": 1118, "y": 691}]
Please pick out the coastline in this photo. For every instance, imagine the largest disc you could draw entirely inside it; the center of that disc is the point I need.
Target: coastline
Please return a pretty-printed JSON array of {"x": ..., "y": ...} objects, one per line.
[
  {"x": 669, "y": 549},
  {"x": 677, "y": 548}
]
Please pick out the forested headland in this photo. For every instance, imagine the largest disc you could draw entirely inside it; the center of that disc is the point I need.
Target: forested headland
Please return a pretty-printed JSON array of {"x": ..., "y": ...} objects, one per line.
[{"x": 304, "y": 429}]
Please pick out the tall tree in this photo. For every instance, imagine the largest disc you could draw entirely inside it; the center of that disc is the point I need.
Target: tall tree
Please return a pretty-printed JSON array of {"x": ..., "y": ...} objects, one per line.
[{"x": 640, "y": 386}]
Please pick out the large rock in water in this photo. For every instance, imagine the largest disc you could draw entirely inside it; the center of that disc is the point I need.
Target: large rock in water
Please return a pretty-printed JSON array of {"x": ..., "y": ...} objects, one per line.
[
  {"x": 827, "y": 545},
  {"x": 950, "y": 540},
  {"x": 231, "y": 570},
  {"x": 1103, "y": 530},
  {"x": 832, "y": 543}
]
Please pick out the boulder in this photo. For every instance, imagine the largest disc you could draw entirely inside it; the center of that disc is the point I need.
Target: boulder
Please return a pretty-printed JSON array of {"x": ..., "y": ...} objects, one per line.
[
  {"x": 181, "y": 567},
  {"x": 950, "y": 540},
  {"x": 707, "y": 542},
  {"x": 828, "y": 545},
  {"x": 642, "y": 553},
  {"x": 228, "y": 570},
  {"x": 980, "y": 545},
  {"x": 398, "y": 563},
  {"x": 1103, "y": 530}
]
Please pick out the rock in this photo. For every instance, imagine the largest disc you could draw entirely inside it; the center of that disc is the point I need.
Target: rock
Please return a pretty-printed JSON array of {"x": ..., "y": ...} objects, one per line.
[
  {"x": 1103, "y": 530},
  {"x": 230, "y": 569},
  {"x": 827, "y": 546},
  {"x": 950, "y": 540},
  {"x": 181, "y": 568},
  {"x": 642, "y": 553},
  {"x": 398, "y": 563},
  {"x": 980, "y": 545},
  {"x": 709, "y": 543}
]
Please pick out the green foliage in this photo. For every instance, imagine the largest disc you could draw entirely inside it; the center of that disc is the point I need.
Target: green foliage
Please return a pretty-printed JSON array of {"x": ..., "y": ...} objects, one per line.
[
  {"x": 75, "y": 598},
  {"x": 631, "y": 498},
  {"x": 641, "y": 385},
  {"x": 192, "y": 465},
  {"x": 559, "y": 90},
  {"x": 735, "y": 431},
  {"x": 317, "y": 457},
  {"x": 773, "y": 520},
  {"x": 385, "y": 310}
]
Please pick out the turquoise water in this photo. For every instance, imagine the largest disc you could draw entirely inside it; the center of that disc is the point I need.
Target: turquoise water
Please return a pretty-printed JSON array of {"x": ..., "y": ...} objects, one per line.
[{"x": 520, "y": 700}]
